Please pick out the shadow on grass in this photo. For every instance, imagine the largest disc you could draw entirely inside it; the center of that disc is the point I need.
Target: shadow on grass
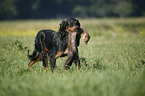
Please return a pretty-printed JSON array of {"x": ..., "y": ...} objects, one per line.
[
  {"x": 97, "y": 65},
  {"x": 84, "y": 62},
  {"x": 22, "y": 71},
  {"x": 143, "y": 62}
]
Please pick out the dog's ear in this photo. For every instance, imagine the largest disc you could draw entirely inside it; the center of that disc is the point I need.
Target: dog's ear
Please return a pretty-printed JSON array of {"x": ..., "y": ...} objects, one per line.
[
  {"x": 63, "y": 25},
  {"x": 77, "y": 23},
  {"x": 62, "y": 29}
]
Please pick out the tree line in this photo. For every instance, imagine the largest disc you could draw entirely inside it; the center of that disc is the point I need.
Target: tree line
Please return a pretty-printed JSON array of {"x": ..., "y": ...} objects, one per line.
[{"x": 38, "y": 9}]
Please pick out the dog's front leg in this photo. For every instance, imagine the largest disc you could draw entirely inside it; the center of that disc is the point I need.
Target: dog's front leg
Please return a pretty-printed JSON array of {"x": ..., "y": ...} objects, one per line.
[
  {"x": 77, "y": 62},
  {"x": 76, "y": 58},
  {"x": 69, "y": 60}
]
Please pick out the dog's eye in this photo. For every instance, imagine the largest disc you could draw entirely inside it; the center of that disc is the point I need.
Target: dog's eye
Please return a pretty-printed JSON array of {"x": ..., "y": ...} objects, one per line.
[{"x": 71, "y": 24}]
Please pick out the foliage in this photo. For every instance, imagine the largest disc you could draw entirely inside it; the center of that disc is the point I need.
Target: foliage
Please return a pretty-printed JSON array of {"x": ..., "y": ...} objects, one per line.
[
  {"x": 113, "y": 62},
  {"x": 8, "y": 9},
  {"x": 36, "y": 9}
]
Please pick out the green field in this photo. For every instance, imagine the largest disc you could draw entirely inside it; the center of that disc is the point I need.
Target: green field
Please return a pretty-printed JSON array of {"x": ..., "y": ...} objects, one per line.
[{"x": 113, "y": 62}]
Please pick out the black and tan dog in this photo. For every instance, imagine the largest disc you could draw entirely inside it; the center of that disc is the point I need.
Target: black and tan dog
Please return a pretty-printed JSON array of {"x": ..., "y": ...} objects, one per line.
[{"x": 50, "y": 44}]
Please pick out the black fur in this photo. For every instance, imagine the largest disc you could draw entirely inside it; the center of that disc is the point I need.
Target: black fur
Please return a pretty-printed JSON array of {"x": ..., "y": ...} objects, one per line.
[{"x": 50, "y": 44}]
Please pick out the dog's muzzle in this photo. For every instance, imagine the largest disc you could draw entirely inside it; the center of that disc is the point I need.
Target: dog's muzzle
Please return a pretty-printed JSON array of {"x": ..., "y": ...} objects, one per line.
[{"x": 72, "y": 29}]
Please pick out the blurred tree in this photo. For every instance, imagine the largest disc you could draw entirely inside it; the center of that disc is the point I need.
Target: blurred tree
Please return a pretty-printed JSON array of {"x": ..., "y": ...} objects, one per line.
[
  {"x": 80, "y": 11},
  {"x": 123, "y": 8},
  {"x": 27, "y": 8},
  {"x": 138, "y": 7},
  {"x": 33, "y": 9},
  {"x": 7, "y": 9}
]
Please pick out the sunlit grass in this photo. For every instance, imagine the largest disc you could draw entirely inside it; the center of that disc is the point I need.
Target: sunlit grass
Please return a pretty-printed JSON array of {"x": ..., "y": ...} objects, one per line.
[
  {"x": 113, "y": 62},
  {"x": 106, "y": 26},
  {"x": 28, "y": 27}
]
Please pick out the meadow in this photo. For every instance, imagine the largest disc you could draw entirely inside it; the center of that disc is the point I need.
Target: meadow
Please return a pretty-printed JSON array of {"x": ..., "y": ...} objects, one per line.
[{"x": 113, "y": 62}]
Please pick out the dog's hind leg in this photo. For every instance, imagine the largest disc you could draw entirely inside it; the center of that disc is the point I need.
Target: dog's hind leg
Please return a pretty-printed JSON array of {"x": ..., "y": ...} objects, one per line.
[
  {"x": 34, "y": 57},
  {"x": 40, "y": 46},
  {"x": 52, "y": 60},
  {"x": 33, "y": 61},
  {"x": 44, "y": 58}
]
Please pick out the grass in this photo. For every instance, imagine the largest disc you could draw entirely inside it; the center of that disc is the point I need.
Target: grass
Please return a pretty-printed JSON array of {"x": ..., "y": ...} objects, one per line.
[{"x": 113, "y": 62}]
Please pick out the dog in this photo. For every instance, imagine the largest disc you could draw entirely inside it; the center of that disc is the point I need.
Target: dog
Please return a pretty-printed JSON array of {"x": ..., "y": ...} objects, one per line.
[{"x": 49, "y": 44}]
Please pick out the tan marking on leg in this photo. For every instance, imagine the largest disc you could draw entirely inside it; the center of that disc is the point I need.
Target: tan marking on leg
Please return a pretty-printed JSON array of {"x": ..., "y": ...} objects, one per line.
[
  {"x": 59, "y": 54},
  {"x": 66, "y": 51},
  {"x": 78, "y": 68},
  {"x": 39, "y": 58},
  {"x": 46, "y": 49},
  {"x": 31, "y": 63}
]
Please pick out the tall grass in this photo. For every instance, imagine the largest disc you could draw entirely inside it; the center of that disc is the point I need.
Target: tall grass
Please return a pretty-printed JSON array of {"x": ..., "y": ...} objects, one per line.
[{"x": 112, "y": 63}]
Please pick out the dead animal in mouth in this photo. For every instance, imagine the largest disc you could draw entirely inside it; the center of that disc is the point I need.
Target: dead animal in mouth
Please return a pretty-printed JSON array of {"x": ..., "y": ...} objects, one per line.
[{"x": 73, "y": 55}]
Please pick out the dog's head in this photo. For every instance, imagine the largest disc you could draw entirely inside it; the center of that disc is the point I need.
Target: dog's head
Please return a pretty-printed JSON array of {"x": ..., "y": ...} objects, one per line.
[
  {"x": 73, "y": 25},
  {"x": 69, "y": 25}
]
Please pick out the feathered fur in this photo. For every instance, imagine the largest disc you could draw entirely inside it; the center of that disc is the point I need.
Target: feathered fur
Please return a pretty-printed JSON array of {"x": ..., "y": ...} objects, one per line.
[{"x": 50, "y": 44}]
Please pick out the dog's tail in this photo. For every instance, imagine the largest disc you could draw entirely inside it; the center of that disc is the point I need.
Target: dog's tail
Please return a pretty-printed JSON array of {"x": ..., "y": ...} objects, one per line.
[{"x": 33, "y": 55}]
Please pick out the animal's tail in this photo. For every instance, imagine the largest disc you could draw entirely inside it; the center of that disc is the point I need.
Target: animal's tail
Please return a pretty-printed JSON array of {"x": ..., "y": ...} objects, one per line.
[{"x": 33, "y": 55}]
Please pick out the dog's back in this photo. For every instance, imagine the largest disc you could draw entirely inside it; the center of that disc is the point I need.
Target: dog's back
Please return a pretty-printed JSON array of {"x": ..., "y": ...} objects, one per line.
[{"x": 44, "y": 39}]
